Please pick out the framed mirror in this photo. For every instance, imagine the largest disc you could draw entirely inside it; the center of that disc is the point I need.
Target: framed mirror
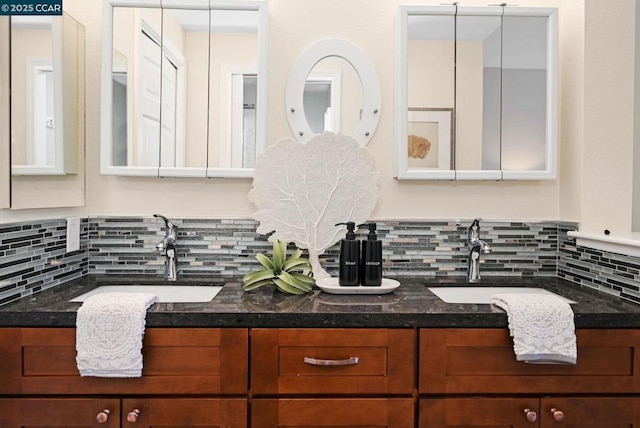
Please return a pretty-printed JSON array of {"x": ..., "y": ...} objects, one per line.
[
  {"x": 237, "y": 90},
  {"x": 44, "y": 117},
  {"x": 428, "y": 55},
  {"x": 474, "y": 69},
  {"x": 47, "y": 111},
  {"x": 179, "y": 78},
  {"x": 347, "y": 61}
]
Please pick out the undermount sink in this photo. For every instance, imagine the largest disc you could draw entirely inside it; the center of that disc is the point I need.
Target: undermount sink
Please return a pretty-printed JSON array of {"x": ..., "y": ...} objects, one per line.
[
  {"x": 165, "y": 293},
  {"x": 480, "y": 295}
]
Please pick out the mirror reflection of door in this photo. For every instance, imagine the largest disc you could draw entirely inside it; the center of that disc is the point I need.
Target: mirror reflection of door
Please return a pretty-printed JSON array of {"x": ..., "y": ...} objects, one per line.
[
  {"x": 333, "y": 96},
  {"x": 148, "y": 146},
  {"x": 242, "y": 138},
  {"x": 137, "y": 63},
  {"x": 321, "y": 96},
  {"x": 119, "y": 109},
  {"x": 32, "y": 114},
  {"x": 233, "y": 68},
  {"x": 185, "y": 68}
]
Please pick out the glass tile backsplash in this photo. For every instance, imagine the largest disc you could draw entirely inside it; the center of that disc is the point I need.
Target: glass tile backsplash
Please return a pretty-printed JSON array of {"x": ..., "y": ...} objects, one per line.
[{"x": 33, "y": 254}]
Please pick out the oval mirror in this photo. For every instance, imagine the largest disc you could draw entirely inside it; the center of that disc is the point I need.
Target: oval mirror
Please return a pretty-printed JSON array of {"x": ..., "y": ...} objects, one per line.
[{"x": 368, "y": 114}]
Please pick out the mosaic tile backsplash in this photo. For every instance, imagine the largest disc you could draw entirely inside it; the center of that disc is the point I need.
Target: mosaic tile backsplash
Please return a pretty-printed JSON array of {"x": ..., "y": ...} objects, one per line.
[
  {"x": 410, "y": 248},
  {"x": 612, "y": 273},
  {"x": 33, "y": 255}
]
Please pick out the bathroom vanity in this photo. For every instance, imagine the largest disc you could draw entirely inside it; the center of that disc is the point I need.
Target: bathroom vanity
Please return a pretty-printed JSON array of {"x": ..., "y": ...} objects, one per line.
[{"x": 264, "y": 359}]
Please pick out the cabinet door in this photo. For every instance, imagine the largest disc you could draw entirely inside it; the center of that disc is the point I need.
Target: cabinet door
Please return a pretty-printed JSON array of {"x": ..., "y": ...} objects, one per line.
[
  {"x": 176, "y": 361},
  {"x": 342, "y": 413},
  {"x": 58, "y": 412},
  {"x": 469, "y": 361},
  {"x": 184, "y": 412},
  {"x": 610, "y": 412},
  {"x": 479, "y": 412},
  {"x": 332, "y": 361}
]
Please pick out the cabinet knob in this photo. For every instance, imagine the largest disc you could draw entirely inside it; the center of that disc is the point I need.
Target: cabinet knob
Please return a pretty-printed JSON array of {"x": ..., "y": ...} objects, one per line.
[
  {"x": 558, "y": 415},
  {"x": 103, "y": 416},
  {"x": 530, "y": 415},
  {"x": 133, "y": 416}
]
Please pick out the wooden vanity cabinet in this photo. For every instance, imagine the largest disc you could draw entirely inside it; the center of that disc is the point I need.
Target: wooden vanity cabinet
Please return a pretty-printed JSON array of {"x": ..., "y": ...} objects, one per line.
[
  {"x": 176, "y": 361},
  {"x": 482, "y": 361},
  {"x": 530, "y": 412},
  {"x": 470, "y": 377},
  {"x": 129, "y": 412},
  {"x": 192, "y": 377},
  {"x": 333, "y": 378},
  {"x": 333, "y": 412}
]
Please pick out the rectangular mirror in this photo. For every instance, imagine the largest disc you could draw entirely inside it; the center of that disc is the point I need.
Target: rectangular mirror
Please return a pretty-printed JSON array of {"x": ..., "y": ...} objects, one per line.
[
  {"x": 136, "y": 59},
  {"x": 496, "y": 84},
  {"x": 524, "y": 93},
  {"x": 478, "y": 92},
  {"x": 44, "y": 75},
  {"x": 426, "y": 148},
  {"x": 185, "y": 73},
  {"x": 47, "y": 111},
  {"x": 186, "y": 87},
  {"x": 235, "y": 133}
]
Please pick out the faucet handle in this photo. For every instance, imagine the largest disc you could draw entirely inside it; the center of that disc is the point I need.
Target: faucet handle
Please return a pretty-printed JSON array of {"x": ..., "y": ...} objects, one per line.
[
  {"x": 473, "y": 231},
  {"x": 167, "y": 222}
]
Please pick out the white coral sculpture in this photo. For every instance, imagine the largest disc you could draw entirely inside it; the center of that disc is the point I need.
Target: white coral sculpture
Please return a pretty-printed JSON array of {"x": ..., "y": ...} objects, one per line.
[{"x": 302, "y": 191}]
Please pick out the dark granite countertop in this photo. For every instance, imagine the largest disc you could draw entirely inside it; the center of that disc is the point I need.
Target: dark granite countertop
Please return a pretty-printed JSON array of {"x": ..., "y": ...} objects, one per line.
[{"x": 410, "y": 305}]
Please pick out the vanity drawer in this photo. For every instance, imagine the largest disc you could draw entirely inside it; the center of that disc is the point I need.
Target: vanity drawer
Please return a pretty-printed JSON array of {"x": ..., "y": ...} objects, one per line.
[
  {"x": 332, "y": 361},
  {"x": 464, "y": 361},
  {"x": 338, "y": 413},
  {"x": 176, "y": 361}
]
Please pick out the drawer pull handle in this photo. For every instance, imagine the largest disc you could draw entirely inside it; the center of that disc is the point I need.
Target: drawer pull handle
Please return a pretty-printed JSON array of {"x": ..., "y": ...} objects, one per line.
[
  {"x": 530, "y": 415},
  {"x": 103, "y": 416},
  {"x": 558, "y": 415},
  {"x": 351, "y": 361},
  {"x": 133, "y": 416}
]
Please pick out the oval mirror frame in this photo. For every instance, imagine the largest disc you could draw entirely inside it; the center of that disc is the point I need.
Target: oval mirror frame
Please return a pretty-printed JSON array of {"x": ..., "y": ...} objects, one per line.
[{"x": 365, "y": 70}]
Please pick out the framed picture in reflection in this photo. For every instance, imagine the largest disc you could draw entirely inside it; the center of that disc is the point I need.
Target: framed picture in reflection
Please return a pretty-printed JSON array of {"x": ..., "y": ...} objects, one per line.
[{"x": 430, "y": 134}]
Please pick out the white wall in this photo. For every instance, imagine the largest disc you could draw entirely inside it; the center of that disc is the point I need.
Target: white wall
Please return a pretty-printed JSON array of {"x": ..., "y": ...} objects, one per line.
[{"x": 601, "y": 115}]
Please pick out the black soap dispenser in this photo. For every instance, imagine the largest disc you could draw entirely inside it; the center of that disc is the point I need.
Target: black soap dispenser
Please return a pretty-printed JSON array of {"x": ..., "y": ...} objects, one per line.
[
  {"x": 371, "y": 264},
  {"x": 349, "y": 257}
]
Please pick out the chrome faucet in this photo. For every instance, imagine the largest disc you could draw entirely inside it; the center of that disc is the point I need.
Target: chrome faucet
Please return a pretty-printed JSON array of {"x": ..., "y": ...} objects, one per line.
[
  {"x": 476, "y": 246},
  {"x": 167, "y": 248}
]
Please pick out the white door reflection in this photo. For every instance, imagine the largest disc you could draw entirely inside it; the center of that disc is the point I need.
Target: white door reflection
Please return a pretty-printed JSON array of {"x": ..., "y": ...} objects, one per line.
[{"x": 321, "y": 99}]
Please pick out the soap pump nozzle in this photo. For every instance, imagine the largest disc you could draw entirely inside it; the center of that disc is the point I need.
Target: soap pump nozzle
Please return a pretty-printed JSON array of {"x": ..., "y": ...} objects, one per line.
[
  {"x": 351, "y": 229},
  {"x": 372, "y": 235}
]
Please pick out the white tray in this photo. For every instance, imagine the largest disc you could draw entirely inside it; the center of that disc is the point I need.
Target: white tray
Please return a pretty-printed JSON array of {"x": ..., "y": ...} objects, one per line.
[{"x": 330, "y": 285}]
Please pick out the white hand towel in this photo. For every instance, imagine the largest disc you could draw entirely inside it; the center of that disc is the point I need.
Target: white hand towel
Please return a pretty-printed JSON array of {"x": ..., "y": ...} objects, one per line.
[
  {"x": 542, "y": 327},
  {"x": 109, "y": 332}
]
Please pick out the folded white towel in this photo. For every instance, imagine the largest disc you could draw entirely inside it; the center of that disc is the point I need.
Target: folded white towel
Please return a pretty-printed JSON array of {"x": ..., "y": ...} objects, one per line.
[
  {"x": 542, "y": 327},
  {"x": 109, "y": 333}
]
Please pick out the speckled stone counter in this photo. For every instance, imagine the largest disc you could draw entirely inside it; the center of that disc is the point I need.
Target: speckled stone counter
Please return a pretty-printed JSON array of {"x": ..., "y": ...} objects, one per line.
[{"x": 410, "y": 305}]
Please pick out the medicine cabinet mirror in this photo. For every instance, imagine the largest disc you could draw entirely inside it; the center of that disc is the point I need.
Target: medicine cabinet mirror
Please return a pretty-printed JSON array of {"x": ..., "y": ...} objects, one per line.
[
  {"x": 333, "y": 87},
  {"x": 476, "y": 93},
  {"x": 46, "y": 111},
  {"x": 184, "y": 87}
]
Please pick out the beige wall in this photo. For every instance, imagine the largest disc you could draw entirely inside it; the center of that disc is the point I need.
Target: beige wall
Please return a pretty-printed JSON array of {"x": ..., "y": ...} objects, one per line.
[
  {"x": 607, "y": 172},
  {"x": 594, "y": 177}
]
